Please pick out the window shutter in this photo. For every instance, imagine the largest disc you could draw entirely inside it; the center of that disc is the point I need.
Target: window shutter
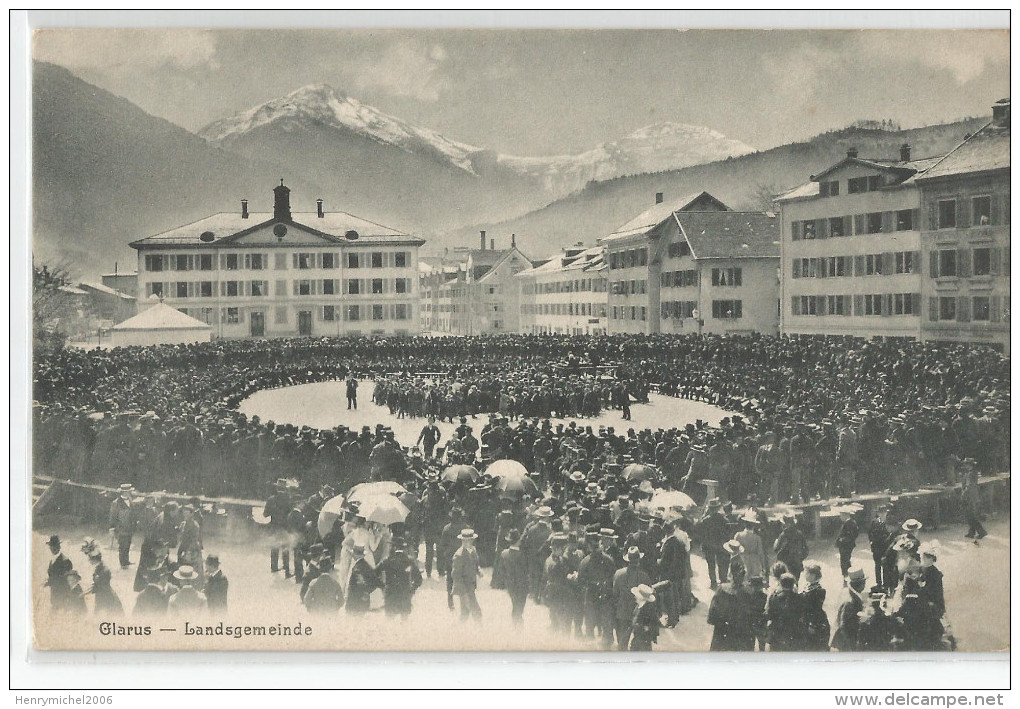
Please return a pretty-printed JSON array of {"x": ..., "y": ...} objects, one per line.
[
  {"x": 933, "y": 309},
  {"x": 821, "y": 228},
  {"x": 963, "y": 309},
  {"x": 1005, "y": 261},
  {"x": 823, "y": 268},
  {"x": 223, "y": 262},
  {"x": 296, "y": 287},
  {"x": 336, "y": 286},
  {"x": 888, "y": 263},
  {"x": 915, "y": 262},
  {"x": 795, "y": 230},
  {"x": 336, "y": 262},
  {"x": 888, "y": 222},
  {"x": 963, "y": 263},
  {"x": 1005, "y": 208},
  {"x": 858, "y": 305},
  {"x": 993, "y": 262},
  {"x": 859, "y": 266},
  {"x": 933, "y": 258},
  {"x": 915, "y": 219},
  {"x": 993, "y": 308},
  {"x": 318, "y": 259},
  {"x": 294, "y": 260},
  {"x": 962, "y": 213},
  {"x": 933, "y": 215},
  {"x": 995, "y": 215},
  {"x": 847, "y": 226},
  {"x": 247, "y": 261},
  {"x": 859, "y": 224},
  {"x": 796, "y": 268},
  {"x": 915, "y": 304},
  {"x": 887, "y": 303}
]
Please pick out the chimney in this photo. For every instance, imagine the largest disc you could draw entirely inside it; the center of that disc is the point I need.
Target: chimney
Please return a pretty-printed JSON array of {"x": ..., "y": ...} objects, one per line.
[
  {"x": 481, "y": 239},
  {"x": 492, "y": 244},
  {"x": 658, "y": 197},
  {"x": 513, "y": 241},
  {"x": 244, "y": 209},
  {"x": 852, "y": 152},
  {"x": 318, "y": 204},
  {"x": 905, "y": 152},
  {"x": 281, "y": 202},
  {"x": 1000, "y": 113}
]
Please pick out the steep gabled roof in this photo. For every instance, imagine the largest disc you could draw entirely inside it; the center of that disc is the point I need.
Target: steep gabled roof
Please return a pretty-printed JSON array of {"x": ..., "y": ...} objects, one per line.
[
  {"x": 653, "y": 217},
  {"x": 507, "y": 255},
  {"x": 987, "y": 149},
  {"x": 730, "y": 234}
]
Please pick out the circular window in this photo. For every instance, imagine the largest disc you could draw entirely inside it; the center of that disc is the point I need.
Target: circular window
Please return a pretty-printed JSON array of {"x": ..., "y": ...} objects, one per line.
[
  {"x": 352, "y": 235},
  {"x": 207, "y": 236},
  {"x": 280, "y": 230}
]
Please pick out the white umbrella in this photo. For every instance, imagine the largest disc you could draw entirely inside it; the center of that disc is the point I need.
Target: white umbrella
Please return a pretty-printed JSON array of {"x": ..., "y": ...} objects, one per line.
[
  {"x": 330, "y": 513},
  {"x": 668, "y": 499},
  {"x": 507, "y": 469},
  {"x": 384, "y": 487},
  {"x": 384, "y": 509}
]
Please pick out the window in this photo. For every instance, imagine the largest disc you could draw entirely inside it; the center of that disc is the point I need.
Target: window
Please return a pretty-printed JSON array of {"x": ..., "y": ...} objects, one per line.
[
  {"x": 873, "y": 304},
  {"x": 982, "y": 210},
  {"x": 182, "y": 263},
  {"x": 678, "y": 249},
  {"x": 328, "y": 287},
  {"x": 873, "y": 265},
  {"x": 233, "y": 316},
  {"x": 726, "y": 277},
  {"x": 231, "y": 262},
  {"x": 904, "y": 220},
  {"x": 205, "y": 262},
  {"x": 182, "y": 289},
  {"x": 856, "y": 185},
  {"x": 808, "y": 229},
  {"x": 839, "y": 305},
  {"x": 875, "y": 182},
  {"x": 328, "y": 313},
  {"x": 874, "y": 223},
  {"x": 400, "y": 311},
  {"x": 353, "y": 287},
  {"x": 829, "y": 189},
  {"x": 644, "y": 313},
  {"x": 353, "y": 313},
  {"x": 836, "y": 227},
  {"x": 377, "y": 312},
  {"x": 642, "y": 257},
  {"x": 947, "y": 214},
  {"x": 329, "y": 260},
  {"x": 400, "y": 259},
  {"x": 945, "y": 263},
  {"x": 947, "y": 308},
  {"x": 353, "y": 260},
  {"x": 982, "y": 262},
  {"x": 304, "y": 261},
  {"x": 258, "y": 262},
  {"x": 377, "y": 259},
  {"x": 377, "y": 285},
  {"x": 304, "y": 288},
  {"x": 726, "y": 309},
  {"x": 205, "y": 289},
  {"x": 906, "y": 303},
  {"x": 155, "y": 262},
  {"x": 982, "y": 307},
  {"x": 280, "y": 316},
  {"x": 904, "y": 262},
  {"x": 233, "y": 288}
]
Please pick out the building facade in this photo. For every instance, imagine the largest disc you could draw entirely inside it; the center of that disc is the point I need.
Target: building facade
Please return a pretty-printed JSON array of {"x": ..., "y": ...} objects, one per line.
[
  {"x": 281, "y": 274},
  {"x": 566, "y": 295},
  {"x": 694, "y": 266},
  {"x": 965, "y": 240},
  {"x": 902, "y": 248}
]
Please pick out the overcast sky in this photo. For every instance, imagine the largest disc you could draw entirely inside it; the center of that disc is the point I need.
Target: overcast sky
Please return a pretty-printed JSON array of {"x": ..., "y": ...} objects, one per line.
[{"x": 547, "y": 92}]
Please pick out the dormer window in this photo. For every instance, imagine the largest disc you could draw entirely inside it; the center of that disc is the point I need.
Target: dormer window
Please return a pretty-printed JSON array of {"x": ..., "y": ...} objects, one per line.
[{"x": 829, "y": 189}]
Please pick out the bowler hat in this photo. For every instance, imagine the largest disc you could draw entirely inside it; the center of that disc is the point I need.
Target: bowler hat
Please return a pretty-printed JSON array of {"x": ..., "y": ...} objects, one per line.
[{"x": 54, "y": 541}]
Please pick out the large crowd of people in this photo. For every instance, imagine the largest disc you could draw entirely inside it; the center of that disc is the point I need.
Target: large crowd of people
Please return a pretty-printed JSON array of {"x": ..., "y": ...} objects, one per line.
[{"x": 809, "y": 418}]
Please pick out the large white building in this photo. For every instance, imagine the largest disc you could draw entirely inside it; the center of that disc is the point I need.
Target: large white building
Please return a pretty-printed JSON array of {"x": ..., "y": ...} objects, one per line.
[
  {"x": 566, "y": 295},
  {"x": 275, "y": 274}
]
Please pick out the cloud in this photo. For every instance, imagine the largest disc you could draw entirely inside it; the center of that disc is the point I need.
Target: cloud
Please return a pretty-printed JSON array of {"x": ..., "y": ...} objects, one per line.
[
  {"x": 797, "y": 74},
  {"x": 965, "y": 54},
  {"x": 404, "y": 68},
  {"x": 127, "y": 50}
]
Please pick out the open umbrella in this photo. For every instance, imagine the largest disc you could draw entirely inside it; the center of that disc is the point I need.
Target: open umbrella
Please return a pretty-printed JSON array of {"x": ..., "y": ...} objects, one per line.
[
  {"x": 384, "y": 509},
  {"x": 509, "y": 486},
  {"x": 668, "y": 499},
  {"x": 459, "y": 474},
  {"x": 639, "y": 472},
  {"x": 383, "y": 487},
  {"x": 330, "y": 513},
  {"x": 507, "y": 469}
]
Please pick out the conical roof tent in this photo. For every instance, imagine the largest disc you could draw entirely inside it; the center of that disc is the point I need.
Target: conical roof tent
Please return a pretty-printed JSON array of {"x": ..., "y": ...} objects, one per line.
[{"x": 162, "y": 317}]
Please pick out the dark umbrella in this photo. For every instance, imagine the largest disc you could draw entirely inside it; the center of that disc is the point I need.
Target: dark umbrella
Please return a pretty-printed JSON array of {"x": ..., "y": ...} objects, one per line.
[
  {"x": 639, "y": 472},
  {"x": 460, "y": 474}
]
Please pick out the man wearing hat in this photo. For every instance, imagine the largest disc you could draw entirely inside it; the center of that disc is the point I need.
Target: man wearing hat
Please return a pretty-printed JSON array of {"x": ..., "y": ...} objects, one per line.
[
  {"x": 560, "y": 576},
  {"x": 533, "y": 543},
  {"x": 465, "y": 570},
  {"x": 595, "y": 580},
  {"x": 277, "y": 508},
  {"x": 624, "y": 580},
  {"x": 324, "y": 596},
  {"x": 876, "y": 629},
  {"x": 56, "y": 575},
  {"x": 152, "y": 600},
  {"x": 188, "y": 601},
  {"x": 216, "y": 585},
  {"x": 756, "y": 560},
  {"x": 122, "y": 522},
  {"x": 972, "y": 500},
  {"x": 846, "y": 540},
  {"x": 713, "y": 530},
  {"x": 645, "y": 624},
  {"x": 880, "y": 537},
  {"x": 931, "y": 585},
  {"x": 845, "y": 639},
  {"x": 362, "y": 581},
  {"x": 513, "y": 568}
]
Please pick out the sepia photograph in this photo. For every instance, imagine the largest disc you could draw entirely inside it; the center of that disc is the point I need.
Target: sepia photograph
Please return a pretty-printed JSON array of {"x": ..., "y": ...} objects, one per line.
[{"x": 600, "y": 341}]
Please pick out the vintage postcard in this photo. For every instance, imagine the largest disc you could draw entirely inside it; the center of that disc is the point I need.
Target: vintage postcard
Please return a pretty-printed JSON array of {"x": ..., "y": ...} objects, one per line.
[{"x": 642, "y": 341}]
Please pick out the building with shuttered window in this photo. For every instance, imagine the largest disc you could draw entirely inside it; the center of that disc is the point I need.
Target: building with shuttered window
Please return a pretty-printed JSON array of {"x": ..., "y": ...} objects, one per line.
[
  {"x": 887, "y": 248},
  {"x": 276, "y": 274}
]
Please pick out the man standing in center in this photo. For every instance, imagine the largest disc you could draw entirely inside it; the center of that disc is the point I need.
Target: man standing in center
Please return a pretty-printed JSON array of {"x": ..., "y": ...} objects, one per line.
[
  {"x": 625, "y": 579},
  {"x": 352, "y": 392},
  {"x": 466, "y": 570}
]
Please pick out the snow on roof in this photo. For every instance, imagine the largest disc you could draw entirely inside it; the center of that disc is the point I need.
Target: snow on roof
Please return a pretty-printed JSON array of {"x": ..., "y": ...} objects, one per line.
[
  {"x": 107, "y": 290},
  {"x": 654, "y": 216},
  {"x": 162, "y": 317},
  {"x": 987, "y": 149}
]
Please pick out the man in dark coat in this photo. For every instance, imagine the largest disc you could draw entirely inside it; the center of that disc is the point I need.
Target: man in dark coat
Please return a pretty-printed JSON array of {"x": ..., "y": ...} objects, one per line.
[
  {"x": 784, "y": 615},
  {"x": 624, "y": 580},
  {"x": 816, "y": 622},
  {"x": 216, "y": 585},
  {"x": 931, "y": 586},
  {"x": 362, "y": 582},
  {"x": 448, "y": 543},
  {"x": 56, "y": 575},
  {"x": 352, "y": 393},
  {"x": 400, "y": 578},
  {"x": 514, "y": 569},
  {"x": 674, "y": 566},
  {"x": 595, "y": 579},
  {"x": 791, "y": 547},
  {"x": 879, "y": 537},
  {"x": 122, "y": 523},
  {"x": 324, "y": 596},
  {"x": 725, "y": 615},
  {"x": 846, "y": 540},
  {"x": 713, "y": 531},
  {"x": 876, "y": 630}
]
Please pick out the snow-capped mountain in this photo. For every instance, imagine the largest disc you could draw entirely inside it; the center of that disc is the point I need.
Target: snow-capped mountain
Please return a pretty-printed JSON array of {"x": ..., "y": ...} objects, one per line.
[{"x": 657, "y": 147}]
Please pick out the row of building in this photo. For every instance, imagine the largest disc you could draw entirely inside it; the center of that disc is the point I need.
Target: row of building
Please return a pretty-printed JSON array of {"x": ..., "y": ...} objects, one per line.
[{"x": 908, "y": 247}]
